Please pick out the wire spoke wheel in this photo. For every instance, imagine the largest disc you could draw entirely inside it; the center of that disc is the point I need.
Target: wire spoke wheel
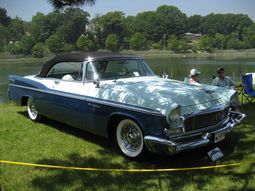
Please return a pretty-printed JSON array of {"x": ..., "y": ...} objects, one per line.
[{"x": 129, "y": 138}]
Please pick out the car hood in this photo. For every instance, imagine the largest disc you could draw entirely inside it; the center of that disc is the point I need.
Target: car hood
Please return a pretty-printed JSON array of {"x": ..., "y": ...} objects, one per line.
[{"x": 162, "y": 94}]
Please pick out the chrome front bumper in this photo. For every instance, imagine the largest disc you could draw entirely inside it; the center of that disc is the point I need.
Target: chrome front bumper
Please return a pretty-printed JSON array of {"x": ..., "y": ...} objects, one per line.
[{"x": 167, "y": 146}]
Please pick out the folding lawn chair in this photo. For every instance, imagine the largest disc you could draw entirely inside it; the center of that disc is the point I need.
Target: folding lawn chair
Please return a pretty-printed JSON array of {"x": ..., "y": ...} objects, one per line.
[{"x": 249, "y": 92}]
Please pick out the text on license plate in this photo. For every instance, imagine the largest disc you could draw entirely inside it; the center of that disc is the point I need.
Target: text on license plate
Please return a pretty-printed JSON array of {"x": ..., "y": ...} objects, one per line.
[{"x": 219, "y": 137}]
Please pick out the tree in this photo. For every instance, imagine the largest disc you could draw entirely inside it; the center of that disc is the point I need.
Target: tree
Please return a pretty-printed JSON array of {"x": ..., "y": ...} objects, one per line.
[
  {"x": 171, "y": 20},
  {"x": 112, "y": 23},
  {"x": 38, "y": 50},
  {"x": 39, "y": 27},
  {"x": 147, "y": 23},
  {"x": 4, "y": 19},
  {"x": 194, "y": 24},
  {"x": 3, "y": 38},
  {"x": 27, "y": 42},
  {"x": 60, "y": 4},
  {"x": 205, "y": 43},
  {"x": 225, "y": 24},
  {"x": 55, "y": 44},
  {"x": 177, "y": 45},
  {"x": 111, "y": 42},
  {"x": 220, "y": 41},
  {"x": 16, "y": 29},
  {"x": 138, "y": 41},
  {"x": 84, "y": 43},
  {"x": 249, "y": 36},
  {"x": 74, "y": 25},
  {"x": 173, "y": 43},
  {"x": 233, "y": 41}
]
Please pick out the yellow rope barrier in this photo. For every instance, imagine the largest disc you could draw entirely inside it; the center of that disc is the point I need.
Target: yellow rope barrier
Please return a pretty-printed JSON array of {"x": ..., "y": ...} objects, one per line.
[{"x": 126, "y": 170}]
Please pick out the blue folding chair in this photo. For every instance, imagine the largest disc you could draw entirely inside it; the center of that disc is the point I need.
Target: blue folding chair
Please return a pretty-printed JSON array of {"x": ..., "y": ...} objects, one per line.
[{"x": 248, "y": 92}]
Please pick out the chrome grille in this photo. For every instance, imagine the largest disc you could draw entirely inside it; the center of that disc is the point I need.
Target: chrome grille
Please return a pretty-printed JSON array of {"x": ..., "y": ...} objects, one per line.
[{"x": 205, "y": 120}]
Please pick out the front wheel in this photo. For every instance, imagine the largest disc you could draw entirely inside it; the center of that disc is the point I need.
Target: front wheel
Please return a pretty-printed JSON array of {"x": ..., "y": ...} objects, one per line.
[
  {"x": 129, "y": 138},
  {"x": 32, "y": 111}
]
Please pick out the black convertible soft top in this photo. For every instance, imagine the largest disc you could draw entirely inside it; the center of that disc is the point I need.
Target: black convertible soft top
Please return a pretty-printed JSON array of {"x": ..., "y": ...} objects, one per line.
[{"x": 80, "y": 57}]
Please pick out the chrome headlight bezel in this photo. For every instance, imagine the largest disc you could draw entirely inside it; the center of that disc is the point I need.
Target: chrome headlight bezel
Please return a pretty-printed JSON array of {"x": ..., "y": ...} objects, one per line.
[
  {"x": 233, "y": 102},
  {"x": 174, "y": 115},
  {"x": 175, "y": 121}
]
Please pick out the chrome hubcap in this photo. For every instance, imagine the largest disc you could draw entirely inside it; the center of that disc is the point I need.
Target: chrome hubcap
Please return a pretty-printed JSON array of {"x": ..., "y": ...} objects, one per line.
[
  {"x": 32, "y": 112},
  {"x": 131, "y": 138}
]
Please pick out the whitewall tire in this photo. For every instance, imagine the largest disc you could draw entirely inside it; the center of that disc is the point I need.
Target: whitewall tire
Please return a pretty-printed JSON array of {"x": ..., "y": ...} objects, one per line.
[
  {"x": 129, "y": 138},
  {"x": 32, "y": 111}
]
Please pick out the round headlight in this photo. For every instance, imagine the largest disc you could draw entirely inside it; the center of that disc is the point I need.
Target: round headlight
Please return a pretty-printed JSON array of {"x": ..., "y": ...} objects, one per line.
[
  {"x": 234, "y": 100},
  {"x": 175, "y": 114}
]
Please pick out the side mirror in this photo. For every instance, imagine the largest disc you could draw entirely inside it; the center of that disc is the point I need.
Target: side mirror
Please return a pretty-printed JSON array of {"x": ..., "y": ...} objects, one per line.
[
  {"x": 164, "y": 75},
  {"x": 96, "y": 82}
]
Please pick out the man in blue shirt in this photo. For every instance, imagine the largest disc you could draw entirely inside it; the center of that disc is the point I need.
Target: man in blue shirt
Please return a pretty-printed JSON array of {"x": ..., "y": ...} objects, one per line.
[{"x": 223, "y": 81}]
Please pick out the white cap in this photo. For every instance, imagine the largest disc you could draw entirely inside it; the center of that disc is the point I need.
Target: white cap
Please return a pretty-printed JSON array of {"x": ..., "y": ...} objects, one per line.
[{"x": 194, "y": 72}]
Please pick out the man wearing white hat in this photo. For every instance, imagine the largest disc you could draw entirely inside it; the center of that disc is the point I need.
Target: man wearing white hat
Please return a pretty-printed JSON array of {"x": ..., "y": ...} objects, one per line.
[{"x": 194, "y": 76}]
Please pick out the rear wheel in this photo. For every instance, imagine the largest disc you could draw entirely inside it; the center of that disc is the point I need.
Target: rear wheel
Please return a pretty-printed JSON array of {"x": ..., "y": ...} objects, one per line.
[
  {"x": 129, "y": 138},
  {"x": 32, "y": 111}
]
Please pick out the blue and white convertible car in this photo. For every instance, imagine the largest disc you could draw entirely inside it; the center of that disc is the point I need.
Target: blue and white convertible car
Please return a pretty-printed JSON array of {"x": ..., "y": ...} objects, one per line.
[{"x": 119, "y": 96}]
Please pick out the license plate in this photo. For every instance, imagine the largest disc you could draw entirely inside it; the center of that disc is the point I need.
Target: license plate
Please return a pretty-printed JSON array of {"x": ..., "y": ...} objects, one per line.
[
  {"x": 215, "y": 154},
  {"x": 219, "y": 137}
]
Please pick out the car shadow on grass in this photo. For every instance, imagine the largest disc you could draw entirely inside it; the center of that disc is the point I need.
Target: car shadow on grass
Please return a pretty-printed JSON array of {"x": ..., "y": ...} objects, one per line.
[
  {"x": 101, "y": 141},
  {"x": 59, "y": 179},
  {"x": 235, "y": 148}
]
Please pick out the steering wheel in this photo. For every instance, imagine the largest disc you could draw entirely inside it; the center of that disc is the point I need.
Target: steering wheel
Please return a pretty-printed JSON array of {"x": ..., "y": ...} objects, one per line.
[{"x": 131, "y": 72}]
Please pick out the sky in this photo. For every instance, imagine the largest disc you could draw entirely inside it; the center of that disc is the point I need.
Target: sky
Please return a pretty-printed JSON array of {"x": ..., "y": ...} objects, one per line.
[{"x": 27, "y": 8}]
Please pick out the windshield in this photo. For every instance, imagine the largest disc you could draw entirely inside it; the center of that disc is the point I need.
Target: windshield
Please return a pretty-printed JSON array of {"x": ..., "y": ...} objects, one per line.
[{"x": 114, "y": 69}]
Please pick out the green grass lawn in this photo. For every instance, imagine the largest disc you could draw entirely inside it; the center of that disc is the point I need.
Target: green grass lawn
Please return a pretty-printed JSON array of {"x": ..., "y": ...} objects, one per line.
[{"x": 54, "y": 143}]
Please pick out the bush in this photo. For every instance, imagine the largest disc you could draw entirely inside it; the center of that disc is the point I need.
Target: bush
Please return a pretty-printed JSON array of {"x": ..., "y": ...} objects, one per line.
[
  {"x": 177, "y": 45},
  {"x": 172, "y": 43},
  {"x": 38, "y": 50},
  {"x": 111, "y": 42},
  {"x": 15, "y": 48},
  {"x": 138, "y": 41},
  {"x": 55, "y": 44},
  {"x": 84, "y": 43},
  {"x": 27, "y": 42},
  {"x": 156, "y": 46},
  {"x": 205, "y": 43},
  {"x": 68, "y": 47}
]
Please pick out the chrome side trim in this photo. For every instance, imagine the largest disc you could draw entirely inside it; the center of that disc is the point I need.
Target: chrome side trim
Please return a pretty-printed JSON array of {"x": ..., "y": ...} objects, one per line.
[
  {"x": 116, "y": 104},
  {"x": 91, "y": 100},
  {"x": 165, "y": 146},
  {"x": 50, "y": 92}
]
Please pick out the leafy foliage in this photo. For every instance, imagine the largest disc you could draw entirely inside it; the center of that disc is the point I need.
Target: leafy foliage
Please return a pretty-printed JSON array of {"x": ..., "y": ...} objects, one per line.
[
  {"x": 138, "y": 41},
  {"x": 177, "y": 45},
  {"x": 27, "y": 42},
  {"x": 166, "y": 27},
  {"x": 38, "y": 50},
  {"x": 55, "y": 44},
  {"x": 60, "y": 4},
  {"x": 205, "y": 43},
  {"x": 84, "y": 43},
  {"x": 4, "y": 19},
  {"x": 15, "y": 48},
  {"x": 111, "y": 42},
  {"x": 74, "y": 25}
]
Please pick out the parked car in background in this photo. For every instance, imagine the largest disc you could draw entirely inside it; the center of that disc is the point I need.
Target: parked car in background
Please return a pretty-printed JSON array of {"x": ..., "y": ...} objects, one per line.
[{"x": 119, "y": 97}]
